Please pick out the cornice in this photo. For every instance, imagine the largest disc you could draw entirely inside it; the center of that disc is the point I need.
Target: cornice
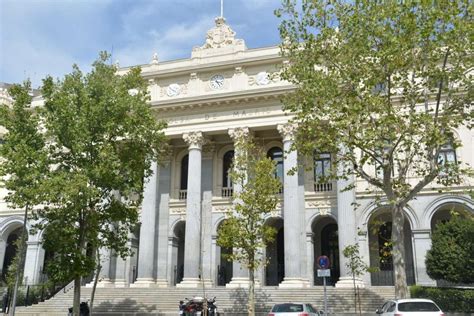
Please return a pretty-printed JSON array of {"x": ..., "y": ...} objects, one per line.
[
  {"x": 211, "y": 66},
  {"x": 226, "y": 98}
]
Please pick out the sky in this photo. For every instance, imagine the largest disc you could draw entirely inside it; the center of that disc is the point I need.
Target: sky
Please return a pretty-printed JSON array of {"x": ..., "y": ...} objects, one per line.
[{"x": 46, "y": 37}]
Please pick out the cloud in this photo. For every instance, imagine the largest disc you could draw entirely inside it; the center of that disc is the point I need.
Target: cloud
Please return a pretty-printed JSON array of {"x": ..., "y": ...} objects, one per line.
[{"x": 48, "y": 36}]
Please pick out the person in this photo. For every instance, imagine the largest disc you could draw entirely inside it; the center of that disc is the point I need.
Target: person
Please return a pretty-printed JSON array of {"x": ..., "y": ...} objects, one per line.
[{"x": 5, "y": 301}]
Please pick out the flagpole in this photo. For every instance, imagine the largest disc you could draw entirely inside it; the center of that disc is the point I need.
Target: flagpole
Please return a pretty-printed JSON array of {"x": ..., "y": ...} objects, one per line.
[{"x": 222, "y": 8}]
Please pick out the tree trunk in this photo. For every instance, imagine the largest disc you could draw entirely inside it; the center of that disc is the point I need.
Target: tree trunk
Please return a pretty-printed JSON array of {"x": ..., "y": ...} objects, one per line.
[
  {"x": 398, "y": 252},
  {"x": 22, "y": 250},
  {"x": 96, "y": 279},
  {"x": 77, "y": 296},
  {"x": 251, "y": 301}
]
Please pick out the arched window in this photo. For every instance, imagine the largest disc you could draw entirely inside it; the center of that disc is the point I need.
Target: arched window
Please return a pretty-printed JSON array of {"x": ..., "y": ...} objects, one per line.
[
  {"x": 226, "y": 179},
  {"x": 184, "y": 177},
  {"x": 276, "y": 154}
]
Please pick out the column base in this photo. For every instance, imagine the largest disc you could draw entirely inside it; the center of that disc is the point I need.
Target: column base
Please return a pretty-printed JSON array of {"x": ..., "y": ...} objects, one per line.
[
  {"x": 194, "y": 283},
  {"x": 241, "y": 282},
  {"x": 144, "y": 282},
  {"x": 294, "y": 283},
  {"x": 101, "y": 284},
  {"x": 120, "y": 283},
  {"x": 345, "y": 282}
]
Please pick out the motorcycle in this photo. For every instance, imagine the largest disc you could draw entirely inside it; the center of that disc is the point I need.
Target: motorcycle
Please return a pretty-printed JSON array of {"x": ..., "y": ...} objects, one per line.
[{"x": 195, "y": 307}]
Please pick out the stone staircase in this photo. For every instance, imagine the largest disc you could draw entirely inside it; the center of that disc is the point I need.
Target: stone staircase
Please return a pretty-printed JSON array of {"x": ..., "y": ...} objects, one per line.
[{"x": 164, "y": 301}]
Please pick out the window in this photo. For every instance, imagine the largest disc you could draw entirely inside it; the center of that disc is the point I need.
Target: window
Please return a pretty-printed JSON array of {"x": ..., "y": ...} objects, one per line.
[
  {"x": 276, "y": 154},
  {"x": 226, "y": 179},
  {"x": 184, "y": 178},
  {"x": 322, "y": 169},
  {"x": 447, "y": 154}
]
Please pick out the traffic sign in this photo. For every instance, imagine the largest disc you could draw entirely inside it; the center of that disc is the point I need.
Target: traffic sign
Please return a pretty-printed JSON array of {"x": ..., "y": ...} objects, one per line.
[
  {"x": 324, "y": 273},
  {"x": 323, "y": 262}
]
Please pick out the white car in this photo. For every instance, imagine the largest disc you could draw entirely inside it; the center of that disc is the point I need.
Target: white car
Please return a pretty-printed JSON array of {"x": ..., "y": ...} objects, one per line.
[
  {"x": 294, "y": 309},
  {"x": 410, "y": 307}
]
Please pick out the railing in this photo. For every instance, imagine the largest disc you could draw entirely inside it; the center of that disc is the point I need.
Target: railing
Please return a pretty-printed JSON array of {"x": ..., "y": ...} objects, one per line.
[
  {"x": 227, "y": 192},
  {"x": 323, "y": 187},
  {"x": 183, "y": 194}
]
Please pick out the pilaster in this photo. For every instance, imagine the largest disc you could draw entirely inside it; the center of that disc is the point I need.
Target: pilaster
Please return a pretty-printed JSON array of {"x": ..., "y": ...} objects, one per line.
[{"x": 421, "y": 245}]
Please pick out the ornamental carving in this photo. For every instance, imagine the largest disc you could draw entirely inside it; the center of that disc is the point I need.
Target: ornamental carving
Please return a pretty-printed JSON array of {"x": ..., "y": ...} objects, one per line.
[
  {"x": 220, "y": 35},
  {"x": 239, "y": 133},
  {"x": 195, "y": 140},
  {"x": 287, "y": 130}
]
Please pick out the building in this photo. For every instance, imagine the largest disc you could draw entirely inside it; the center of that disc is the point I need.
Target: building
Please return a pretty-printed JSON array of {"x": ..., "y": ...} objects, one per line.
[{"x": 222, "y": 91}]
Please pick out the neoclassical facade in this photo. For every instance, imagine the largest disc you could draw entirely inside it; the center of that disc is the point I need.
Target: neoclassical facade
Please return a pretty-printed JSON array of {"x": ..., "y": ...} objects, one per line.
[{"x": 222, "y": 92}]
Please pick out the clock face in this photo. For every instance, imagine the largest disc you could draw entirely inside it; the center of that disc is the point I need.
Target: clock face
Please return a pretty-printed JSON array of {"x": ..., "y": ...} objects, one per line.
[
  {"x": 173, "y": 90},
  {"x": 217, "y": 82},
  {"x": 262, "y": 78}
]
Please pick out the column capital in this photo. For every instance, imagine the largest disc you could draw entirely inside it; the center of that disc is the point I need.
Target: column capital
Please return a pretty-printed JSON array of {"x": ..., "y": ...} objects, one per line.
[
  {"x": 239, "y": 133},
  {"x": 195, "y": 140},
  {"x": 287, "y": 130}
]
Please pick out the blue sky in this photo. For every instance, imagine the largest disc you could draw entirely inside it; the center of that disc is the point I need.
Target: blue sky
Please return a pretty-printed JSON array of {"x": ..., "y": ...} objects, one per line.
[{"x": 40, "y": 37}]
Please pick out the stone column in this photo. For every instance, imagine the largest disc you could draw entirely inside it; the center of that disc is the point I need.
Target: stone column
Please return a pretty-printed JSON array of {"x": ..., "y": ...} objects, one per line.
[
  {"x": 421, "y": 245},
  {"x": 3, "y": 248},
  {"x": 32, "y": 262},
  {"x": 192, "y": 239},
  {"x": 291, "y": 211},
  {"x": 104, "y": 277},
  {"x": 240, "y": 274},
  {"x": 146, "y": 255},
  {"x": 347, "y": 234}
]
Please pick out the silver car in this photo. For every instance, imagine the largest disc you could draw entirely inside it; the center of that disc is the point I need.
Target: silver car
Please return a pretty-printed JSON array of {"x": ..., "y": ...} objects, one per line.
[
  {"x": 294, "y": 309},
  {"x": 410, "y": 307}
]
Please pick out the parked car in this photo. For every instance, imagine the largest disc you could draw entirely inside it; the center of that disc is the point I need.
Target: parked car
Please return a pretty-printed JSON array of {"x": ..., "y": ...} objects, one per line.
[
  {"x": 294, "y": 309},
  {"x": 410, "y": 307}
]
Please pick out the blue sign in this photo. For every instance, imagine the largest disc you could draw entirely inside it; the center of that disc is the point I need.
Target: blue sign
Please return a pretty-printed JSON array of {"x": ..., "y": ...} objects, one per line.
[{"x": 323, "y": 262}]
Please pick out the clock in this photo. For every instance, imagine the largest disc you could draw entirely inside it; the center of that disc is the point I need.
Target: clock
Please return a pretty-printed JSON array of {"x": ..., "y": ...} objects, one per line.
[
  {"x": 173, "y": 90},
  {"x": 262, "y": 78},
  {"x": 216, "y": 82}
]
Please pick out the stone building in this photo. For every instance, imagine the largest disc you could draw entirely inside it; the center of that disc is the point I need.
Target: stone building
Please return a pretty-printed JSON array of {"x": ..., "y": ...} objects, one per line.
[{"x": 222, "y": 90}]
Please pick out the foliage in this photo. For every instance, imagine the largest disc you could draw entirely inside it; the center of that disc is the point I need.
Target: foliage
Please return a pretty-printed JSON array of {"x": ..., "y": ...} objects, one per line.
[
  {"x": 386, "y": 83},
  {"x": 356, "y": 263},
  {"x": 448, "y": 299},
  {"x": 23, "y": 158},
  {"x": 255, "y": 196},
  {"x": 102, "y": 138},
  {"x": 14, "y": 265},
  {"x": 451, "y": 256}
]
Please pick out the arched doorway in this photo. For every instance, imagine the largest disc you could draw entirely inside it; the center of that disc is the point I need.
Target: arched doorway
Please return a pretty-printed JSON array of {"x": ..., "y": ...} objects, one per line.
[
  {"x": 380, "y": 247},
  {"x": 275, "y": 254},
  {"x": 11, "y": 250},
  {"x": 325, "y": 243},
  {"x": 178, "y": 251},
  {"x": 224, "y": 266}
]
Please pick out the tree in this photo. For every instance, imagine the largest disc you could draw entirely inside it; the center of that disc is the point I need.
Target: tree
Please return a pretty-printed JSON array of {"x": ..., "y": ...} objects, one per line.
[
  {"x": 451, "y": 256},
  {"x": 255, "y": 195},
  {"x": 356, "y": 266},
  {"x": 387, "y": 84},
  {"x": 102, "y": 138},
  {"x": 23, "y": 162}
]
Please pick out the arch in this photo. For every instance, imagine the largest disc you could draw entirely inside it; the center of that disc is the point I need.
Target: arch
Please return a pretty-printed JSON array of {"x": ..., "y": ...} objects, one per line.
[
  {"x": 379, "y": 239},
  {"x": 176, "y": 172},
  {"x": 373, "y": 207},
  {"x": 10, "y": 224},
  {"x": 273, "y": 143},
  {"x": 442, "y": 201},
  {"x": 175, "y": 226},
  {"x": 325, "y": 241},
  {"x": 315, "y": 217}
]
